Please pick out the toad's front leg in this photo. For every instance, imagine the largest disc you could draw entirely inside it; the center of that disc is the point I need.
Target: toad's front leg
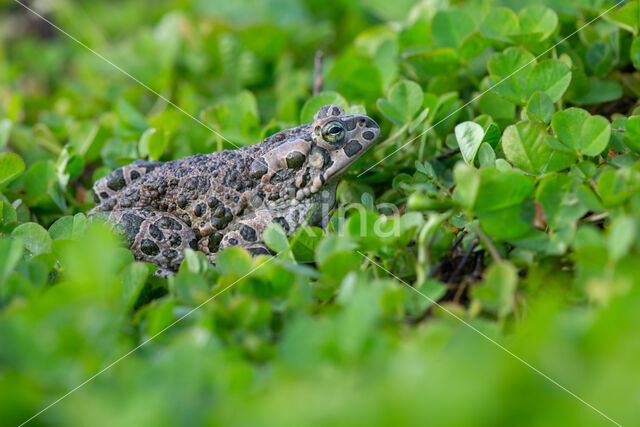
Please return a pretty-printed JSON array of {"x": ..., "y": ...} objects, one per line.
[{"x": 245, "y": 233}]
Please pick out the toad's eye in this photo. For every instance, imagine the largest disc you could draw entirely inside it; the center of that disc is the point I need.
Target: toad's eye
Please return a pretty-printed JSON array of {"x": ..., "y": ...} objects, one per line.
[{"x": 334, "y": 132}]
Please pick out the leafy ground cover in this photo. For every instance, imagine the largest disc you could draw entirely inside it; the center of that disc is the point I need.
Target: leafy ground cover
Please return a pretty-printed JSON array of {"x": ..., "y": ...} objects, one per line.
[{"x": 507, "y": 189}]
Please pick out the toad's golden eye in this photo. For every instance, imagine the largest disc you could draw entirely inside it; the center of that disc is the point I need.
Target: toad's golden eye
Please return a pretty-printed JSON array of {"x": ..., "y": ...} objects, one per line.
[{"x": 334, "y": 132}]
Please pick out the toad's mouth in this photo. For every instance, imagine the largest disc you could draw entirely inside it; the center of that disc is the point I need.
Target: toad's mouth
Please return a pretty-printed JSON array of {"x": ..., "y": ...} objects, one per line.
[{"x": 336, "y": 173}]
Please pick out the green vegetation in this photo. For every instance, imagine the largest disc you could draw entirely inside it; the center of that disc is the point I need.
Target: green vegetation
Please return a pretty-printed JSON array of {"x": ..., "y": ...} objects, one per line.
[{"x": 519, "y": 211}]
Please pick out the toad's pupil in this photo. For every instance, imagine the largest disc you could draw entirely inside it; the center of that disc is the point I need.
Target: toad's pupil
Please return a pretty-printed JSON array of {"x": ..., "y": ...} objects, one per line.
[{"x": 335, "y": 130}]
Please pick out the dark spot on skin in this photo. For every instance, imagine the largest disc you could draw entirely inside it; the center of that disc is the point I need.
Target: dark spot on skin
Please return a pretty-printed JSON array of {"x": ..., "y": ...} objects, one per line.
[
  {"x": 191, "y": 184},
  {"x": 295, "y": 160},
  {"x": 352, "y": 148},
  {"x": 156, "y": 233},
  {"x": 233, "y": 242},
  {"x": 219, "y": 223},
  {"x": 258, "y": 168},
  {"x": 248, "y": 233},
  {"x": 175, "y": 240},
  {"x": 351, "y": 124},
  {"x": 148, "y": 247},
  {"x": 104, "y": 195},
  {"x": 95, "y": 197},
  {"x": 335, "y": 111},
  {"x": 283, "y": 222},
  {"x": 115, "y": 180},
  {"x": 134, "y": 175},
  {"x": 169, "y": 223},
  {"x": 219, "y": 212},
  {"x": 182, "y": 201},
  {"x": 213, "y": 202},
  {"x": 258, "y": 251},
  {"x": 199, "y": 209},
  {"x": 214, "y": 242},
  {"x": 228, "y": 215},
  {"x": 169, "y": 253},
  {"x": 193, "y": 244},
  {"x": 371, "y": 124},
  {"x": 368, "y": 135},
  {"x": 305, "y": 179},
  {"x": 131, "y": 223}
]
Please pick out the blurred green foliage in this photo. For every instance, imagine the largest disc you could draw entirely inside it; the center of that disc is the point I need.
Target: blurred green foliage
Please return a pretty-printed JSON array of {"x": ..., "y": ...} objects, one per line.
[{"x": 529, "y": 234}]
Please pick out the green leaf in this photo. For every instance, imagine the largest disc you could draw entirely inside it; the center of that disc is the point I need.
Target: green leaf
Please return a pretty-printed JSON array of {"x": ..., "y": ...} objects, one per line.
[
  {"x": 154, "y": 142},
  {"x": 595, "y": 135},
  {"x": 364, "y": 84},
  {"x": 626, "y": 17},
  {"x": 567, "y": 125},
  {"x": 430, "y": 291},
  {"x": 539, "y": 21},
  {"x": 551, "y": 77},
  {"x": 492, "y": 135},
  {"x": 434, "y": 62},
  {"x": 10, "y": 252},
  {"x": 450, "y": 27},
  {"x": 498, "y": 289},
  {"x": 7, "y": 213},
  {"x": 554, "y": 193},
  {"x": 525, "y": 146},
  {"x": 134, "y": 277},
  {"x": 540, "y": 106},
  {"x": 576, "y": 128},
  {"x": 68, "y": 227},
  {"x": 486, "y": 156},
  {"x": 304, "y": 242},
  {"x": 600, "y": 91},
  {"x": 233, "y": 261},
  {"x": 331, "y": 244},
  {"x": 469, "y": 136},
  {"x": 275, "y": 238},
  {"x": 34, "y": 237},
  {"x": 496, "y": 197},
  {"x": 130, "y": 116},
  {"x": 5, "y": 132},
  {"x": 386, "y": 61},
  {"x": 473, "y": 45},
  {"x": 338, "y": 264},
  {"x": 404, "y": 101},
  {"x": 509, "y": 71},
  {"x": 632, "y": 139},
  {"x": 621, "y": 236},
  {"x": 11, "y": 166},
  {"x": 467, "y": 185},
  {"x": 499, "y": 24},
  {"x": 313, "y": 104},
  {"x": 634, "y": 53}
]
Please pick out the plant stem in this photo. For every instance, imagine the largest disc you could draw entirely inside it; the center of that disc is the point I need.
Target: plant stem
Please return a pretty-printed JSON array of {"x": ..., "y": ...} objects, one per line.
[{"x": 487, "y": 242}]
